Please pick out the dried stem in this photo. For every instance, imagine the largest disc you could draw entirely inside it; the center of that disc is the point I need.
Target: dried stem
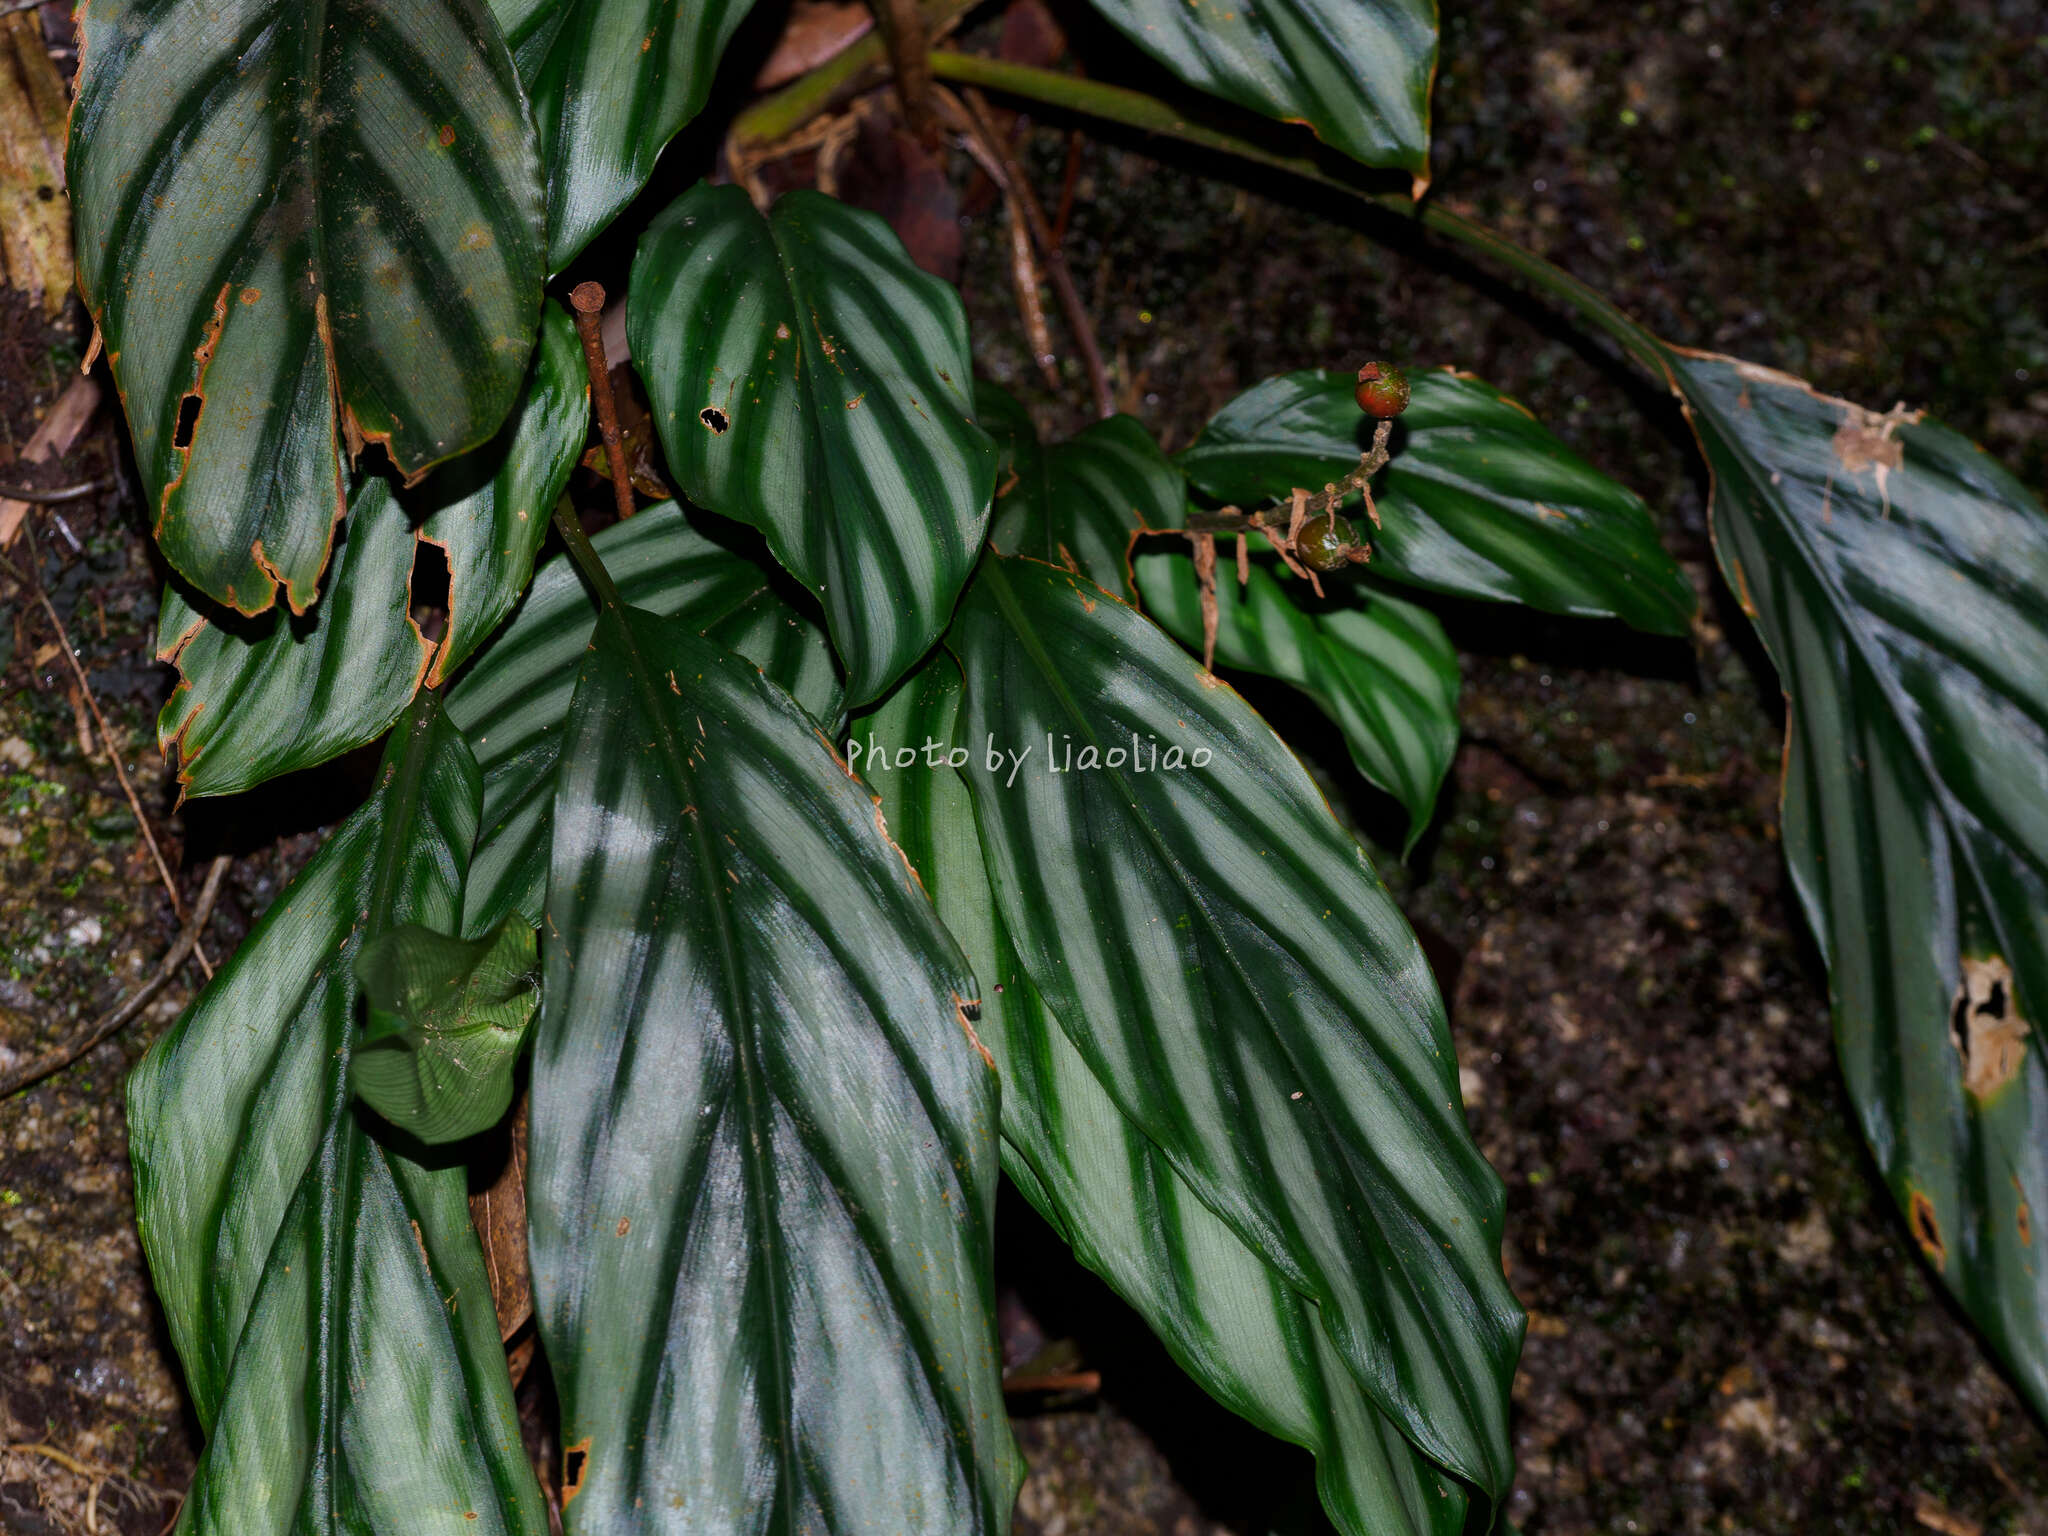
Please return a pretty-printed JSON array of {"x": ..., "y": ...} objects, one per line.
[
  {"x": 77, "y": 492},
  {"x": 163, "y": 868},
  {"x": 119, "y": 1017},
  {"x": 1049, "y": 252},
  {"x": 1328, "y": 499},
  {"x": 903, "y": 30},
  {"x": 588, "y": 303},
  {"x": 1055, "y": 1381}
]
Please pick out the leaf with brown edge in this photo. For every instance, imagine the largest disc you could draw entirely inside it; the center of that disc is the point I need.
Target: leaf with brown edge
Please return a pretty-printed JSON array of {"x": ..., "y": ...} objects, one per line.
[
  {"x": 1899, "y": 579},
  {"x": 299, "y": 227}
]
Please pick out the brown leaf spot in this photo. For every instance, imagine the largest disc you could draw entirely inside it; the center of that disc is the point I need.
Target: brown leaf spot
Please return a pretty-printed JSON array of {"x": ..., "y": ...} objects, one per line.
[
  {"x": 251, "y": 295},
  {"x": 625, "y": 1225},
  {"x": 1985, "y": 1027},
  {"x": 447, "y": 134},
  {"x": 967, "y": 1010},
  {"x": 1927, "y": 1230}
]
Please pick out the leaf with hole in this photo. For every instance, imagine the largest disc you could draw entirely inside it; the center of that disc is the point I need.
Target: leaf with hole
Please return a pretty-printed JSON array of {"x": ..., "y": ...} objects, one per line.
[
  {"x": 1899, "y": 579},
  {"x": 808, "y": 379},
  {"x": 1357, "y": 72},
  {"x": 1230, "y": 1320},
  {"x": 610, "y": 82},
  {"x": 299, "y": 226},
  {"x": 1377, "y": 664},
  {"x": 763, "y": 1139},
  {"x": 1232, "y": 971},
  {"x": 258, "y": 697},
  {"x": 325, "y": 1289},
  {"x": 448, "y": 1017},
  {"x": 1479, "y": 501}
]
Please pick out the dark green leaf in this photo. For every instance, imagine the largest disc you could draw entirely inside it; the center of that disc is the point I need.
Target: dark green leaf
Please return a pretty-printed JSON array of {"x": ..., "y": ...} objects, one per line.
[
  {"x": 447, "y": 1019},
  {"x": 1356, "y": 71},
  {"x": 807, "y": 378},
  {"x": 299, "y": 224},
  {"x": 611, "y": 82},
  {"x": 513, "y": 701},
  {"x": 1479, "y": 501},
  {"x": 1380, "y": 667},
  {"x": 263, "y": 696},
  {"x": 763, "y": 1139},
  {"x": 325, "y": 1291},
  {"x": 1231, "y": 970},
  {"x": 1899, "y": 579},
  {"x": 1077, "y": 502},
  {"x": 1228, "y": 1317}
]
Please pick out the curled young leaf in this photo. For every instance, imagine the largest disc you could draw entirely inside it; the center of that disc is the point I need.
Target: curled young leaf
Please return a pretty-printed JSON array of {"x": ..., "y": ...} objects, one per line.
[{"x": 448, "y": 1017}]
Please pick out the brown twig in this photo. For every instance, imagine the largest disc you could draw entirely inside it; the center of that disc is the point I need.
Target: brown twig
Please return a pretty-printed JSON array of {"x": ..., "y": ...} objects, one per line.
[
  {"x": 1304, "y": 507},
  {"x": 1205, "y": 578},
  {"x": 1069, "y": 178},
  {"x": 119, "y": 1016},
  {"x": 1055, "y": 1381},
  {"x": 587, "y": 300},
  {"x": 910, "y": 58},
  {"x": 156, "y": 853},
  {"x": 1049, "y": 251}
]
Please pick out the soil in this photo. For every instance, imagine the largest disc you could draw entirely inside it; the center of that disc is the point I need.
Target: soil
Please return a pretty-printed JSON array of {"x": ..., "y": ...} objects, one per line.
[{"x": 1729, "y": 1329}]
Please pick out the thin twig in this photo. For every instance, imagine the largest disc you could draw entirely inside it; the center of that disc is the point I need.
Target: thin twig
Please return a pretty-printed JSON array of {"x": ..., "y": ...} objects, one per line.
[
  {"x": 121, "y": 1014},
  {"x": 903, "y": 30},
  {"x": 1328, "y": 499},
  {"x": 588, "y": 302},
  {"x": 77, "y": 492},
  {"x": 1049, "y": 252},
  {"x": 1055, "y": 1381},
  {"x": 163, "y": 867}
]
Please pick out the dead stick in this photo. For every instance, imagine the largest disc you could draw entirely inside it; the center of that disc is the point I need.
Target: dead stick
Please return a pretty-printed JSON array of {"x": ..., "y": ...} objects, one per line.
[
  {"x": 909, "y": 56},
  {"x": 1370, "y": 463},
  {"x": 1057, "y": 1381},
  {"x": 588, "y": 302},
  {"x": 1049, "y": 251},
  {"x": 163, "y": 868},
  {"x": 77, "y": 492},
  {"x": 187, "y": 941}
]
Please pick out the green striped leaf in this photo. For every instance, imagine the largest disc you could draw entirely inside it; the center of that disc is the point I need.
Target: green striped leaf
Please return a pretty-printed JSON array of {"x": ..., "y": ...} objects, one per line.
[
  {"x": 807, "y": 378},
  {"x": 1380, "y": 667},
  {"x": 611, "y": 82},
  {"x": 1899, "y": 579},
  {"x": 1250, "y": 1339},
  {"x": 299, "y": 225},
  {"x": 309, "y": 1271},
  {"x": 1479, "y": 501},
  {"x": 1078, "y": 502},
  {"x": 1233, "y": 973},
  {"x": 1358, "y": 72},
  {"x": 513, "y": 701},
  {"x": 763, "y": 1150},
  {"x": 258, "y": 697},
  {"x": 447, "y": 1019}
]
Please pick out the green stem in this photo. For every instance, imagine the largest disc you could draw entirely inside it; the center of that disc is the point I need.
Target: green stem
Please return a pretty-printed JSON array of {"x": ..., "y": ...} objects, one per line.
[
  {"x": 585, "y": 555},
  {"x": 1134, "y": 109},
  {"x": 781, "y": 114}
]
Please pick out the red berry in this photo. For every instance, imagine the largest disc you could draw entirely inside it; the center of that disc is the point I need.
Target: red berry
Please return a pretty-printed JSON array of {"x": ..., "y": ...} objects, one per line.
[
  {"x": 1325, "y": 543},
  {"x": 1382, "y": 390}
]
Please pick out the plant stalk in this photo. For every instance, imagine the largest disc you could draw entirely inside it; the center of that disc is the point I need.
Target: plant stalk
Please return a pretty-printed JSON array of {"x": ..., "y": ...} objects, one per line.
[{"x": 588, "y": 303}]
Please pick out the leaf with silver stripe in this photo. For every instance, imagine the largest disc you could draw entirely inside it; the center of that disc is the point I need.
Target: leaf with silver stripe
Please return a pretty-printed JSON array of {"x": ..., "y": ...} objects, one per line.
[
  {"x": 299, "y": 225},
  {"x": 1380, "y": 666},
  {"x": 1232, "y": 971},
  {"x": 763, "y": 1144},
  {"x": 1479, "y": 501},
  {"x": 1358, "y": 72},
  {"x": 808, "y": 379},
  {"x": 258, "y": 697},
  {"x": 325, "y": 1291},
  {"x": 1250, "y": 1339},
  {"x": 1899, "y": 578},
  {"x": 610, "y": 82}
]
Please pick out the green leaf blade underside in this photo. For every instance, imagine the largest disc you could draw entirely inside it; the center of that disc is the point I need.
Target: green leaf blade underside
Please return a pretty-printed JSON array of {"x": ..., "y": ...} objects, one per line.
[
  {"x": 1081, "y": 500},
  {"x": 512, "y": 702},
  {"x": 761, "y": 1128},
  {"x": 1480, "y": 500},
  {"x": 610, "y": 83},
  {"x": 1899, "y": 579},
  {"x": 1228, "y": 1318},
  {"x": 1221, "y": 947},
  {"x": 807, "y": 378},
  {"x": 448, "y": 1018},
  {"x": 262, "y": 696},
  {"x": 306, "y": 1268},
  {"x": 1357, "y": 72},
  {"x": 1379, "y": 666},
  {"x": 310, "y": 225}
]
